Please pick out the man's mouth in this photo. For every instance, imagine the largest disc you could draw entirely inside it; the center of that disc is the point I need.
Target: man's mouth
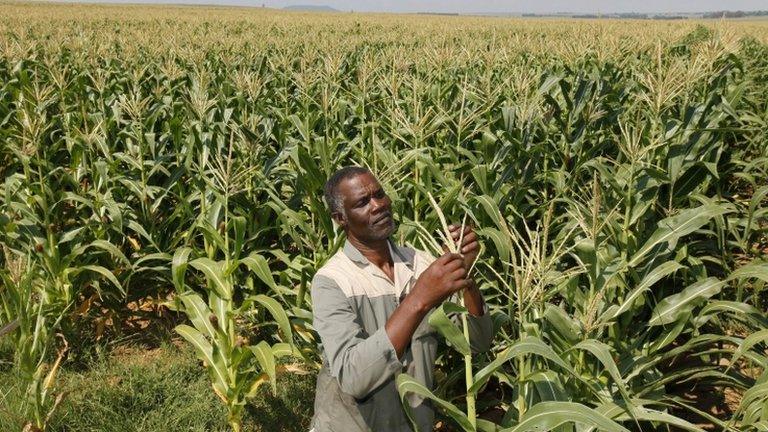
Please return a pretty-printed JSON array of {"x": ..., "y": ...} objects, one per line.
[{"x": 385, "y": 218}]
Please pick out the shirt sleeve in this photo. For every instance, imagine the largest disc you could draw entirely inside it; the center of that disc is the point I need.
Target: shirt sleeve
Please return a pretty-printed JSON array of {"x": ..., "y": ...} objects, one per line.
[
  {"x": 360, "y": 362},
  {"x": 480, "y": 327},
  {"x": 480, "y": 330}
]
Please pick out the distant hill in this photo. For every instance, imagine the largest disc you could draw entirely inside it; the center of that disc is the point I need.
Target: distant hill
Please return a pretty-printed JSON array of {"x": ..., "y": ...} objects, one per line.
[
  {"x": 653, "y": 16},
  {"x": 311, "y": 8}
]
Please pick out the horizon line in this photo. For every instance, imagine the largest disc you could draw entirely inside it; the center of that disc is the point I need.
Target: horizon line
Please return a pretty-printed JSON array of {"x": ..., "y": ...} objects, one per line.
[{"x": 232, "y": 3}]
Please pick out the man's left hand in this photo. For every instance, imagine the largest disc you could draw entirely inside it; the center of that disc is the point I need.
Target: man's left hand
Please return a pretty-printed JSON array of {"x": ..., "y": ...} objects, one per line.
[{"x": 470, "y": 247}]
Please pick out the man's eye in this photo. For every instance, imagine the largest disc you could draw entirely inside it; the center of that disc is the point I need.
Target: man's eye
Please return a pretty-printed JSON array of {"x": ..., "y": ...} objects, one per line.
[
  {"x": 362, "y": 202},
  {"x": 380, "y": 193}
]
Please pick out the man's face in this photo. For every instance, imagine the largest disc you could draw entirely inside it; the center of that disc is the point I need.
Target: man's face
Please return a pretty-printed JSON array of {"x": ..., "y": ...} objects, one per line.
[{"x": 367, "y": 209}]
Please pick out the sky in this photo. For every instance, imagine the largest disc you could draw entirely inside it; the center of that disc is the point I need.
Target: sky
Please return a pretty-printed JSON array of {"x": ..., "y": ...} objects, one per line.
[{"x": 497, "y": 6}]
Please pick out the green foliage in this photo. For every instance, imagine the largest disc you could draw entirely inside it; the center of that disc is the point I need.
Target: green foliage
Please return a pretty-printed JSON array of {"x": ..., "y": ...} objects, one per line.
[
  {"x": 140, "y": 389},
  {"x": 616, "y": 175}
]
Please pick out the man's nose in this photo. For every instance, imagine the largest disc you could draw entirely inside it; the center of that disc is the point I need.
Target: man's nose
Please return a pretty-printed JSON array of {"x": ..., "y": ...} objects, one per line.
[{"x": 380, "y": 203}]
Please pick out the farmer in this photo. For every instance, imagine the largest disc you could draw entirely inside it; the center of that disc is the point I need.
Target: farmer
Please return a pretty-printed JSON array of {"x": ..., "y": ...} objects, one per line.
[{"x": 371, "y": 305}]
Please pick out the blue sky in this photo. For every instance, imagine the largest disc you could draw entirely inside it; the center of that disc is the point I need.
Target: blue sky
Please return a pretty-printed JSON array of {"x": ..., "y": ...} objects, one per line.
[{"x": 498, "y": 6}]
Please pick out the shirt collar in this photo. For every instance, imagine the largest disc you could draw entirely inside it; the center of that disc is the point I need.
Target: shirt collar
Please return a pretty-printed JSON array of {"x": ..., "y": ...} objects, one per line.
[
  {"x": 398, "y": 255},
  {"x": 352, "y": 253}
]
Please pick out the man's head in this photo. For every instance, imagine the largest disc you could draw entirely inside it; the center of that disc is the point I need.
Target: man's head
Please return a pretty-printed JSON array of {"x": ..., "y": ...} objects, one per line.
[{"x": 359, "y": 204}]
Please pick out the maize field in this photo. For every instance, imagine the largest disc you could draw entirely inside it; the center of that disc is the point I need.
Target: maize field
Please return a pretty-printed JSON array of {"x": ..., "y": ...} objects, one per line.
[{"x": 615, "y": 171}]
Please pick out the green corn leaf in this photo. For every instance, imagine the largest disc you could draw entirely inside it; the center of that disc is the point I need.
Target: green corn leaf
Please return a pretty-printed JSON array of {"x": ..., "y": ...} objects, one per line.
[
  {"x": 501, "y": 243},
  {"x": 669, "y": 335},
  {"x": 672, "y": 228},
  {"x": 138, "y": 229},
  {"x": 204, "y": 352},
  {"x": 749, "y": 342},
  {"x": 754, "y": 270},
  {"x": 407, "y": 385},
  {"x": 260, "y": 267},
  {"x": 651, "y": 278},
  {"x": 528, "y": 346},
  {"x": 278, "y": 313},
  {"x": 546, "y": 416},
  {"x": 222, "y": 310},
  {"x": 602, "y": 353},
  {"x": 112, "y": 249},
  {"x": 212, "y": 235},
  {"x": 71, "y": 235},
  {"x": 212, "y": 217},
  {"x": 492, "y": 210},
  {"x": 757, "y": 395},
  {"x": 740, "y": 311},
  {"x": 100, "y": 270},
  {"x": 214, "y": 271},
  {"x": 639, "y": 413},
  {"x": 705, "y": 414},
  {"x": 266, "y": 358},
  {"x": 441, "y": 321},
  {"x": 179, "y": 267},
  {"x": 673, "y": 307},
  {"x": 564, "y": 326},
  {"x": 282, "y": 349},
  {"x": 239, "y": 224},
  {"x": 548, "y": 386},
  {"x": 198, "y": 313},
  {"x": 152, "y": 257},
  {"x": 486, "y": 426}
]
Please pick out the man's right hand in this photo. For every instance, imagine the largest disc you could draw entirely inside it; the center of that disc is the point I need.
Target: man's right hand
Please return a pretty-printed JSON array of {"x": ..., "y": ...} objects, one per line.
[{"x": 442, "y": 278}]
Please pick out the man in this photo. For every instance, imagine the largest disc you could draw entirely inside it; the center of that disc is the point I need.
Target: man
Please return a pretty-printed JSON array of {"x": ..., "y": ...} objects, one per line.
[{"x": 371, "y": 303}]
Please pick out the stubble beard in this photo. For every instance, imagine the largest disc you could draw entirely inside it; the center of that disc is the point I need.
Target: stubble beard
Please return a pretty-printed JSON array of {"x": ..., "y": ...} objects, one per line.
[{"x": 385, "y": 234}]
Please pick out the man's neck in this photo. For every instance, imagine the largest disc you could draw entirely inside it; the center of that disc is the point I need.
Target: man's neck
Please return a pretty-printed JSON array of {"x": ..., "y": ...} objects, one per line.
[{"x": 376, "y": 252}]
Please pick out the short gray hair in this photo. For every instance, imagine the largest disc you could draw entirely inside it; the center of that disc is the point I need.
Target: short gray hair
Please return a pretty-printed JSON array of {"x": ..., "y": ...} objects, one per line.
[{"x": 331, "y": 190}]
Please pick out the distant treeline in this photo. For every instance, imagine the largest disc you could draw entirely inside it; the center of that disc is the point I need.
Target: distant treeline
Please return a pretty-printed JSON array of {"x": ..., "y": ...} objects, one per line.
[
  {"x": 736, "y": 14},
  {"x": 628, "y": 15},
  {"x": 634, "y": 15},
  {"x": 437, "y": 13}
]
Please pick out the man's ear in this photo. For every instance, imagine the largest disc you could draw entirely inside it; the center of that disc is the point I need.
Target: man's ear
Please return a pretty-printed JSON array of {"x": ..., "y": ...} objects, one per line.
[{"x": 339, "y": 218}]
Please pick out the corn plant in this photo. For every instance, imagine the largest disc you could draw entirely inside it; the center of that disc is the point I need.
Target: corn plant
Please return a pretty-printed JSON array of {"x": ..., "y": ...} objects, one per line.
[
  {"x": 615, "y": 172},
  {"x": 30, "y": 321},
  {"x": 237, "y": 366},
  {"x": 439, "y": 319}
]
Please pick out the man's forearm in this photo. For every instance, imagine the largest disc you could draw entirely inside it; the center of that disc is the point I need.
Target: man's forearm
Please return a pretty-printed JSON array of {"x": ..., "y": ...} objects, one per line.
[
  {"x": 473, "y": 300},
  {"x": 409, "y": 314},
  {"x": 403, "y": 323}
]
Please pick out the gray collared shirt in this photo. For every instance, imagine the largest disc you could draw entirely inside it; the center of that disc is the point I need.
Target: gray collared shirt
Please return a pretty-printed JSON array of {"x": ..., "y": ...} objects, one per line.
[{"x": 352, "y": 300}]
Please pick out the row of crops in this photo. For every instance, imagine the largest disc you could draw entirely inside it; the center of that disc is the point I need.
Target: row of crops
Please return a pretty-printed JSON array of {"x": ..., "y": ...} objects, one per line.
[{"x": 616, "y": 172}]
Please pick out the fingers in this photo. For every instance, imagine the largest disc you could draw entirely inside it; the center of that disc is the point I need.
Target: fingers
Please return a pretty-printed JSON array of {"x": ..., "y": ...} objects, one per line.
[
  {"x": 458, "y": 274},
  {"x": 454, "y": 264},
  {"x": 470, "y": 248},
  {"x": 460, "y": 284},
  {"x": 455, "y": 231},
  {"x": 448, "y": 257},
  {"x": 469, "y": 242},
  {"x": 469, "y": 238},
  {"x": 444, "y": 258}
]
